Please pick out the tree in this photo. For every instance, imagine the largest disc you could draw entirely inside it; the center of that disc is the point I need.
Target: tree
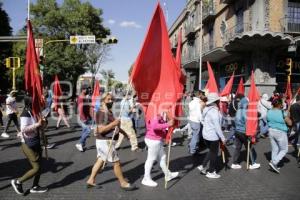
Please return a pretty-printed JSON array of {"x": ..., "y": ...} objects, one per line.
[
  {"x": 97, "y": 54},
  {"x": 56, "y": 22},
  {"x": 108, "y": 76},
  {"x": 5, "y": 49}
]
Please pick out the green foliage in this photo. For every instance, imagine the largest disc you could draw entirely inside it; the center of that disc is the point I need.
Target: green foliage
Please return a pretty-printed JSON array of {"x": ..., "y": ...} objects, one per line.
[
  {"x": 58, "y": 22},
  {"x": 5, "y": 49}
]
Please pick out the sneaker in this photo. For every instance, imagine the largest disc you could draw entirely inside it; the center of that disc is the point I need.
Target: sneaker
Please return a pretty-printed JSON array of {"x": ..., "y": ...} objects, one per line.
[
  {"x": 176, "y": 130},
  {"x": 274, "y": 167},
  {"x": 254, "y": 166},
  {"x": 173, "y": 144},
  {"x": 17, "y": 187},
  {"x": 149, "y": 182},
  {"x": 212, "y": 175},
  {"x": 236, "y": 166},
  {"x": 79, "y": 147},
  {"x": 4, "y": 135},
  {"x": 38, "y": 189},
  {"x": 172, "y": 175},
  {"x": 202, "y": 169}
]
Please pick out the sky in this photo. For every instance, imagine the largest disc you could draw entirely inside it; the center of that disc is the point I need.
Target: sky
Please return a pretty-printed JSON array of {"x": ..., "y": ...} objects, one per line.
[{"x": 128, "y": 21}]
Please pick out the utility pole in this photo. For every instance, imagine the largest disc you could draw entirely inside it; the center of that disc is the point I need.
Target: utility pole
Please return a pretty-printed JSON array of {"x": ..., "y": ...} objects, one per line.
[{"x": 200, "y": 52}]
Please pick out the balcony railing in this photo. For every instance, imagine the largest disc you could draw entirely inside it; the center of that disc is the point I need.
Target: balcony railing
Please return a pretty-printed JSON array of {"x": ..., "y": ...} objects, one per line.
[
  {"x": 290, "y": 25},
  {"x": 208, "y": 46},
  {"x": 209, "y": 11},
  {"x": 192, "y": 55},
  {"x": 236, "y": 31}
]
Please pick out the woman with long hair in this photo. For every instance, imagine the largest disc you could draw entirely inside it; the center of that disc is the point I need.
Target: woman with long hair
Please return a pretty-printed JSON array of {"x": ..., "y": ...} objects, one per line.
[{"x": 104, "y": 130}]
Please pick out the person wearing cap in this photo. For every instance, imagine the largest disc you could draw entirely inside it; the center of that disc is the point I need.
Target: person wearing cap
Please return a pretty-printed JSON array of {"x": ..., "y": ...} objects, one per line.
[
  {"x": 277, "y": 122},
  {"x": 195, "y": 116},
  {"x": 11, "y": 111},
  {"x": 85, "y": 119},
  {"x": 31, "y": 148},
  {"x": 241, "y": 137},
  {"x": 212, "y": 132},
  {"x": 104, "y": 130}
]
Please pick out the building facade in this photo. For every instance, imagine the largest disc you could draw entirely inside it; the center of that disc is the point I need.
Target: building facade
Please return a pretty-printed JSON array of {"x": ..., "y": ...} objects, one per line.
[{"x": 240, "y": 36}]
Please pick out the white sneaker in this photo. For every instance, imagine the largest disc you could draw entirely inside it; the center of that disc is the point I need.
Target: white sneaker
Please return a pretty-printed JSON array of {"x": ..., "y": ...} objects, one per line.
[
  {"x": 212, "y": 175},
  {"x": 176, "y": 130},
  {"x": 79, "y": 147},
  {"x": 172, "y": 175},
  {"x": 254, "y": 166},
  {"x": 202, "y": 169},
  {"x": 4, "y": 135},
  {"x": 149, "y": 182},
  {"x": 236, "y": 166}
]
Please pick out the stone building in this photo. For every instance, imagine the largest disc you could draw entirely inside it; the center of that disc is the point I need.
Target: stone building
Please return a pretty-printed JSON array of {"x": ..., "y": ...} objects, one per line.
[{"x": 240, "y": 36}]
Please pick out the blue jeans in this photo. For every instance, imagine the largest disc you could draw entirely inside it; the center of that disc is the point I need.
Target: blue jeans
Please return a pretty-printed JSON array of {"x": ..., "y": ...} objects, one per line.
[
  {"x": 86, "y": 130},
  {"x": 296, "y": 136},
  {"x": 279, "y": 143},
  {"x": 263, "y": 126},
  {"x": 196, "y": 133}
]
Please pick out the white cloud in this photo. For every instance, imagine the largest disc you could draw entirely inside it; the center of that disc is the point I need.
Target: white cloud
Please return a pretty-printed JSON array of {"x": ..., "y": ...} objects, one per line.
[
  {"x": 111, "y": 21},
  {"x": 130, "y": 24}
]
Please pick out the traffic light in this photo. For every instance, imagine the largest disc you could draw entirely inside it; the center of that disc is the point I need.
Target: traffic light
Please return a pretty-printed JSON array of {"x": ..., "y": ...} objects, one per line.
[
  {"x": 289, "y": 64},
  {"x": 12, "y": 62},
  {"x": 110, "y": 40}
]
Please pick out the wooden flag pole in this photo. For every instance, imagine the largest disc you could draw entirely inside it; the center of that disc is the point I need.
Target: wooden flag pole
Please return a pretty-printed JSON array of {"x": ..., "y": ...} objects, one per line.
[
  {"x": 248, "y": 154},
  {"x": 116, "y": 128},
  {"x": 223, "y": 156},
  {"x": 168, "y": 161}
]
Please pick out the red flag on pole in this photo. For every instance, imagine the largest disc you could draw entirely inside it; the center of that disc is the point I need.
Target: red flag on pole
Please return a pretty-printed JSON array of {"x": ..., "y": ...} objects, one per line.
[
  {"x": 227, "y": 89},
  {"x": 241, "y": 88},
  {"x": 57, "y": 92},
  {"x": 211, "y": 85},
  {"x": 252, "y": 113},
  {"x": 178, "y": 59},
  {"x": 33, "y": 82},
  {"x": 155, "y": 75},
  {"x": 96, "y": 94},
  {"x": 288, "y": 91}
]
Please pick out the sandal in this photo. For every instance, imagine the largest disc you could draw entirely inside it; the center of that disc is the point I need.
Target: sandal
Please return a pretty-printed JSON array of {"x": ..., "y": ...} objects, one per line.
[
  {"x": 89, "y": 186},
  {"x": 129, "y": 187}
]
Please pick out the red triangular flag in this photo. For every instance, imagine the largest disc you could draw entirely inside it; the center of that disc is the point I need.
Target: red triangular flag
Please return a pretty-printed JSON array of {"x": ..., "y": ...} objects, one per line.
[
  {"x": 33, "y": 82},
  {"x": 155, "y": 76},
  {"x": 211, "y": 85},
  {"x": 241, "y": 88},
  {"x": 288, "y": 91},
  {"x": 252, "y": 113},
  {"x": 227, "y": 89},
  {"x": 57, "y": 92},
  {"x": 96, "y": 93}
]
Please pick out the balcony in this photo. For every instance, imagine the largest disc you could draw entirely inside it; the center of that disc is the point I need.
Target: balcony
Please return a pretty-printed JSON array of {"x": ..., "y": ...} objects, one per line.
[
  {"x": 209, "y": 12},
  {"x": 190, "y": 31},
  {"x": 236, "y": 31},
  {"x": 208, "y": 46},
  {"x": 290, "y": 25},
  {"x": 243, "y": 38}
]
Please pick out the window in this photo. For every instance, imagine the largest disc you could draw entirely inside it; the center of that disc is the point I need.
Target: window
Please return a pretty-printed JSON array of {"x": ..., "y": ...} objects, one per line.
[
  {"x": 239, "y": 21},
  {"x": 294, "y": 13}
]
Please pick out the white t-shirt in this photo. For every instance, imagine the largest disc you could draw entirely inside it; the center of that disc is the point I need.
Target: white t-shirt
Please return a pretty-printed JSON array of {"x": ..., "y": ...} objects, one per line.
[
  {"x": 195, "y": 114},
  {"x": 11, "y": 101}
]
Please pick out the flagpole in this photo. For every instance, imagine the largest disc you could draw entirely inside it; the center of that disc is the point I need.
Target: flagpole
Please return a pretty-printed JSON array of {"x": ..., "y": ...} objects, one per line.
[
  {"x": 248, "y": 154},
  {"x": 168, "y": 160},
  {"x": 116, "y": 128},
  {"x": 28, "y": 9},
  {"x": 200, "y": 56}
]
